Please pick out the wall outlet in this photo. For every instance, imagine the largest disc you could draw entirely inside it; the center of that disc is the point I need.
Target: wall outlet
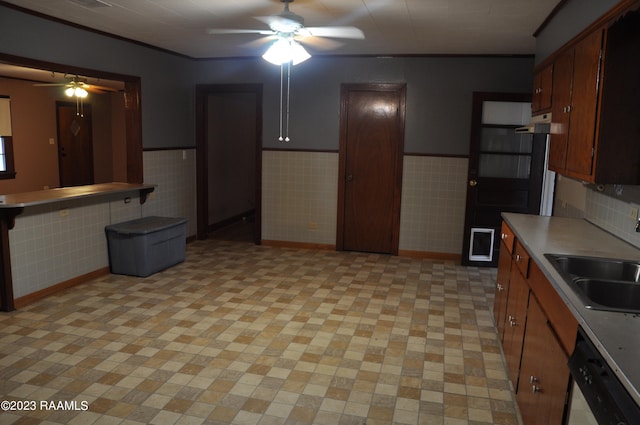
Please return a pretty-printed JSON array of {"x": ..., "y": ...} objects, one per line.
[
  {"x": 633, "y": 213},
  {"x": 63, "y": 213},
  {"x": 312, "y": 225}
]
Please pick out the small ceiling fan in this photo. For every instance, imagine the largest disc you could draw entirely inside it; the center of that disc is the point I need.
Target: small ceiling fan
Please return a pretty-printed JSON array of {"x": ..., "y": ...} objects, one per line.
[
  {"x": 288, "y": 27},
  {"x": 75, "y": 84}
]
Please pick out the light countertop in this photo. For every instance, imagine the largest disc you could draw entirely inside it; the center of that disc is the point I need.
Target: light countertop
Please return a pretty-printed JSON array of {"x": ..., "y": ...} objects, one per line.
[
  {"x": 48, "y": 196},
  {"x": 616, "y": 335}
]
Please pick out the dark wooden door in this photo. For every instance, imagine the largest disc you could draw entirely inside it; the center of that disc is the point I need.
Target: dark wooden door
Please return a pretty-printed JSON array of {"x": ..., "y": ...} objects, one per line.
[
  {"x": 371, "y": 149},
  {"x": 505, "y": 174},
  {"x": 75, "y": 145}
]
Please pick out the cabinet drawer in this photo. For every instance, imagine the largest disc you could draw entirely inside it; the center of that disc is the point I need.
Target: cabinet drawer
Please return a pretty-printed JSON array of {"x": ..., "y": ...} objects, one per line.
[
  {"x": 561, "y": 320},
  {"x": 521, "y": 258},
  {"x": 507, "y": 237}
]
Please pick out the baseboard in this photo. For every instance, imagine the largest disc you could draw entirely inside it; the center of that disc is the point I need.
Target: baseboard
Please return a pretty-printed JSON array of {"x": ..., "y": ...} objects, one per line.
[
  {"x": 59, "y": 287},
  {"x": 445, "y": 256},
  {"x": 231, "y": 220},
  {"x": 303, "y": 245}
]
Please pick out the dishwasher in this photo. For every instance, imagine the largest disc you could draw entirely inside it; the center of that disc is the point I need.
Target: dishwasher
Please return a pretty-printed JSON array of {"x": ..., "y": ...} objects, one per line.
[{"x": 607, "y": 401}]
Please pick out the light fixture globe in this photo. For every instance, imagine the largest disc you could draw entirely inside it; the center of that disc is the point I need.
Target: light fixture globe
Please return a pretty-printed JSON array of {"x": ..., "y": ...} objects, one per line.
[{"x": 284, "y": 51}]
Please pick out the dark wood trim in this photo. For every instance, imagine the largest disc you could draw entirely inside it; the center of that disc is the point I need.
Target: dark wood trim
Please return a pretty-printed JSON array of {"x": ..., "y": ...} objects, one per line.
[
  {"x": 10, "y": 173},
  {"x": 229, "y": 221},
  {"x": 7, "y": 221},
  {"x": 434, "y": 155},
  {"x": 549, "y": 17},
  {"x": 182, "y": 55},
  {"x": 169, "y": 148},
  {"x": 89, "y": 29},
  {"x": 43, "y": 293},
  {"x": 133, "y": 124},
  {"x": 300, "y": 150},
  {"x": 437, "y": 155},
  {"x": 401, "y": 88},
  {"x": 63, "y": 68},
  {"x": 202, "y": 196},
  {"x": 298, "y": 245},
  {"x": 603, "y": 21}
]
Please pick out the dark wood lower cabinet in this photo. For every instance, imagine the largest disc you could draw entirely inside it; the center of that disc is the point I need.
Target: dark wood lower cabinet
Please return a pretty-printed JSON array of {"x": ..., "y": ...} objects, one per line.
[
  {"x": 502, "y": 290},
  {"x": 538, "y": 333},
  {"x": 544, "y": 374},
  {"x": 515, "y": 324}
]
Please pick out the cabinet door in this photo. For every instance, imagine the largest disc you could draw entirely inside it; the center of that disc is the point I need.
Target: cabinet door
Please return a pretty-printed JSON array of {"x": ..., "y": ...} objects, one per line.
[
  {"x": 584, "y": 102},
  {"x": 562, "y": 76},
  {"x": 544, "y": 375},
  {"x": 502, "y": 289},
  {"x": 546, "y": 88},
  {"x": 516, "y": 319},
  {"x": 542, "y": 87}
]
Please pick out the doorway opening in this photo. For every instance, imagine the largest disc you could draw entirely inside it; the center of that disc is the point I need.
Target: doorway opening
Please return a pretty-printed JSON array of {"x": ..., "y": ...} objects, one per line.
[{"x": 229, "y": 161}]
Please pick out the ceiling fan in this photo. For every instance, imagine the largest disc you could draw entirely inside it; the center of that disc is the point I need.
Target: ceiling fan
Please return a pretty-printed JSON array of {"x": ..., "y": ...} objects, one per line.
[
  {"x": 75, "y": 85},
  {"x": 288, "y": 31}
]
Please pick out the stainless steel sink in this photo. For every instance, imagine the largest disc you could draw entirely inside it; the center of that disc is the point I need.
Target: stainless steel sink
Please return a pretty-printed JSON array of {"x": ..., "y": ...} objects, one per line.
[{"x": 602, "y": 283}]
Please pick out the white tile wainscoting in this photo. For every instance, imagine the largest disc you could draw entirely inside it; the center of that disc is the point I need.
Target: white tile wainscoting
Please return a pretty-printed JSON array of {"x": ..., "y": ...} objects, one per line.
[{"x": 300, "y": 192}]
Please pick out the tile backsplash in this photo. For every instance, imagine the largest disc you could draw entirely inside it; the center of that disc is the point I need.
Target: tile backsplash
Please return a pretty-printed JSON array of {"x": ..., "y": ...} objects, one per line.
[{"x": 612, "y": 210}]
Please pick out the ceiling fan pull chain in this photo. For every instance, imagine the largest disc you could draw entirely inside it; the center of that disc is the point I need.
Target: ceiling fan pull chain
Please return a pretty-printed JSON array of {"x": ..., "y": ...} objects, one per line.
[
  {"x": 281, "y": 95},
  {"x": 286, "y": 138}
]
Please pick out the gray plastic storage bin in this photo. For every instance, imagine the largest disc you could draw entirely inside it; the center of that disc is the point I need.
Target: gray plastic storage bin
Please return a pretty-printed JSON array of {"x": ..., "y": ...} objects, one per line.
[{"x": 147, "y": 245}]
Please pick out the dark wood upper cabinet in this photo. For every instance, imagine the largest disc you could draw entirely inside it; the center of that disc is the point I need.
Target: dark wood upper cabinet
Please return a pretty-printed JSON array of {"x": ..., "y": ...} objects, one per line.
[
  {"x": 618, "y": 142},
  {"x": 596, "y": 104},
  {"x": 575, "y": 99},
  {"x": 542, "y": 89}
]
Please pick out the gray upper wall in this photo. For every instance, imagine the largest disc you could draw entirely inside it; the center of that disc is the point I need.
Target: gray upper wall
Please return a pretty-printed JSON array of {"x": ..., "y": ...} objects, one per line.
[
  {"x": 574, "y": 16},
  {"x": 439, "y": 89},
  {"x": 439, "y": 94}
]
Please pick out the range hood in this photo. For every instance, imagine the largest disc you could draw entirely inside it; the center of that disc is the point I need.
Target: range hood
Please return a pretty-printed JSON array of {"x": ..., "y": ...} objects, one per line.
[{"x": 538, "y": 124}]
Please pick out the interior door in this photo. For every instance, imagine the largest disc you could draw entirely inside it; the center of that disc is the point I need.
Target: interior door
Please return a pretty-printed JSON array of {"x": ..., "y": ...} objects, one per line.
[
  {"x": 505, "y": 172},
  {"x": 371, "y": 149},
  {"x": 75, "y": 145}
]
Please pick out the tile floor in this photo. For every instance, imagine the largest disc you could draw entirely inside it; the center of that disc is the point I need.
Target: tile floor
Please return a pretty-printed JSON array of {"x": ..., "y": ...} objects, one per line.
[{"x": 244, "y": 334}]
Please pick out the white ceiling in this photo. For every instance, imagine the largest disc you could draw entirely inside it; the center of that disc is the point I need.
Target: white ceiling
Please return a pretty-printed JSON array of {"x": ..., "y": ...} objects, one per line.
[{"x": 391, "y": 27}]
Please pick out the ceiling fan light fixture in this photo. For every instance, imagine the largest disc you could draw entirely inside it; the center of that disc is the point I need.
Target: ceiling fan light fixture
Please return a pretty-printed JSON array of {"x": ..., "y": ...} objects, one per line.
[
  {"x": 285, "y": 51},
  {"x": 70, "y": 91},
  {"x": 80, "y": 92}
]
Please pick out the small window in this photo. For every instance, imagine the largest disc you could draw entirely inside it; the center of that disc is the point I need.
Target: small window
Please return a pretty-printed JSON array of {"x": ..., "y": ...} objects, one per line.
[
  {"x": 6, "y": 158},
  {"x": 6, "y": 140}
]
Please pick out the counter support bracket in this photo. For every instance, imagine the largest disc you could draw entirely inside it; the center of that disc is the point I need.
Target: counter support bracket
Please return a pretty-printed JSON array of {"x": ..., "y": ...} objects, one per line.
[{"x": 7, "y": 221}]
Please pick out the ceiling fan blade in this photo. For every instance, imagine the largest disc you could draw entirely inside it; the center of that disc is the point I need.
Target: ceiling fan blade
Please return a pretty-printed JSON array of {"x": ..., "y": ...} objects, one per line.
[
  {"x": 49, "y": 84},
  {"x": 337, "y": 32},
  {"x": 259, "y": 42},
  {"x": 319, "y": 42},
  {"x": 237, "y": 31},
  {"x": 98, "y": 89},
  {"x": 280, "y": 23}
]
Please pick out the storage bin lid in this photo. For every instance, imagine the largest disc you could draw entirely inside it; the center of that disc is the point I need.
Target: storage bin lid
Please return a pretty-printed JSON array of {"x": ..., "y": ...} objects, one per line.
[{"x": 145, "y": 225}]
